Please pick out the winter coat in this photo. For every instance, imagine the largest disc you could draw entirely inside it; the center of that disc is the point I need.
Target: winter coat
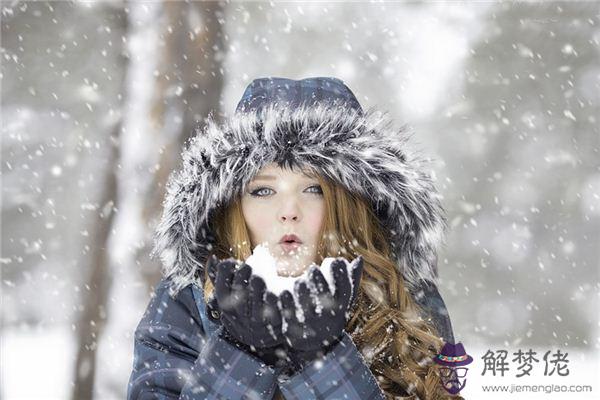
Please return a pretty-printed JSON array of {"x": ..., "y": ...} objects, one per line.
[{"x": 177, "y": 350}]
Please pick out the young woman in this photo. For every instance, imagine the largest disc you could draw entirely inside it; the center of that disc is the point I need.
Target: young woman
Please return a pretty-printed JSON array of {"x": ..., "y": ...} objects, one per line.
[{"x": 298, "y": 157}]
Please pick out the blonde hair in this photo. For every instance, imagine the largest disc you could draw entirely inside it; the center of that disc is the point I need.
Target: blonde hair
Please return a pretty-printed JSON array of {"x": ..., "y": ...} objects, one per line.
[{"x": 386, "y": 327}]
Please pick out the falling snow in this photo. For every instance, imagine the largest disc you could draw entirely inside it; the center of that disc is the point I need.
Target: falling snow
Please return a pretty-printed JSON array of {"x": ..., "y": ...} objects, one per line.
[{"x": 508, "y": 109}]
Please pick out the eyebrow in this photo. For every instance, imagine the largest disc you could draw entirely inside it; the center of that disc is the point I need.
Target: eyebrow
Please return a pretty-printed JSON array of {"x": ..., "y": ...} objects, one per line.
[{"x": 265, "y": 178}]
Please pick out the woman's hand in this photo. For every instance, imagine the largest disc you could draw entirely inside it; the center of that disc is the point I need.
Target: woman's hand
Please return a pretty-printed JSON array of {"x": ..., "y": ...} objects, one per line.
[
  {"x": 248, "y": 312},
  {"x": 323, "y": 323}
]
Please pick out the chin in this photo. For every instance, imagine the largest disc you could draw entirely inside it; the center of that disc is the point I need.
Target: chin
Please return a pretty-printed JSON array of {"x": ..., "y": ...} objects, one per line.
[{"x": 292, "y": 272}]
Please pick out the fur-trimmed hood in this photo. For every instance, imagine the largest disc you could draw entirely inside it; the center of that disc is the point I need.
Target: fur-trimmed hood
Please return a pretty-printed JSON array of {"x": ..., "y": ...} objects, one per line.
[{"x": 363, "y": 152}]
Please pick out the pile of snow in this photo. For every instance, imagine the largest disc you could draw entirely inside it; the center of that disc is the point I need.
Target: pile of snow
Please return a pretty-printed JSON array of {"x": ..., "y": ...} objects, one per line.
[{"x": 265, "y": 265}]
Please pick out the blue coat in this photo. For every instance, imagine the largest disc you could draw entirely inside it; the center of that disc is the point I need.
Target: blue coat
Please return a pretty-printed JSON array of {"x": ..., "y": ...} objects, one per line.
[{"x": 178, "y": 355}]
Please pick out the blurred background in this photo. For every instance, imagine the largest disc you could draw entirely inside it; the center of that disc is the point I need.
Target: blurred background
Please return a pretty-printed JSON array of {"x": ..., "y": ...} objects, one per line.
[{"x": 98, "y": 99}]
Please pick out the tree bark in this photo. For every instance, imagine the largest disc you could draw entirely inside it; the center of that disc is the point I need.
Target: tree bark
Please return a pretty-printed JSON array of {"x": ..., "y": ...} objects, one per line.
[
  {"x": 93, "y": 316},
  {"x": 191, "y": 58}
]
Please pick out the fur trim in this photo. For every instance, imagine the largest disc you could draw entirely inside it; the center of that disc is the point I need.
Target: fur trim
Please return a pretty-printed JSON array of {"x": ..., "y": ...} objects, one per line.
[{"x": 362, "y": 152}]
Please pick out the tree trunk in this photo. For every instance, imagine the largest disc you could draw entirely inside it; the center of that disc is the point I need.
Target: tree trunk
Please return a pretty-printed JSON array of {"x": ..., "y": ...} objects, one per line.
[
  {"x": 187, "y": 88},
  {"x": 93, "y": 314}
]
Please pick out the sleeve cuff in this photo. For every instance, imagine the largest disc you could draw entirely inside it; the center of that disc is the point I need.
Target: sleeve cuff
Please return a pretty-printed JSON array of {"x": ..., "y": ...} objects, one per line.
[{"x": 341, "y": 373}]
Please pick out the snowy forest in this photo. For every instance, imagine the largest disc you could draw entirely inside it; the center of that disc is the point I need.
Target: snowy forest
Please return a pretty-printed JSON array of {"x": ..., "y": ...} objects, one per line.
[{"x": 99, "y": 98}]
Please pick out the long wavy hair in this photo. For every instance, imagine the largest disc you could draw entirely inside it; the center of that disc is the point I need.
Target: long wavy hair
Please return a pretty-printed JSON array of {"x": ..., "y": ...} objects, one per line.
[{"x": 385, "y": 325}]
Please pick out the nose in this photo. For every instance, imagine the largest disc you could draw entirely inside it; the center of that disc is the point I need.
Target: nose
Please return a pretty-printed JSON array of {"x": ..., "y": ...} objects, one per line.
[
  {"x": 289, "y": 217},
  {"x": 289, "y": 211}
]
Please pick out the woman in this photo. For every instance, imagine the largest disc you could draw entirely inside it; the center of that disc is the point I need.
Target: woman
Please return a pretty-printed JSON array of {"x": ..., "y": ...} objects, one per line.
[{"x": 349, "y": 187}]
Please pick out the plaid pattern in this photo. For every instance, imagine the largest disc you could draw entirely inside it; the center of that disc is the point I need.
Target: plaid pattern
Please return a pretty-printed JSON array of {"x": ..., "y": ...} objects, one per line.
[
  {"x": 176, "y": 358},
  {"x": 341, "y": 374},
  {"x": 225, "y": 372},
  {"x": 178, "y": 354},
  {"x": 292, "y": 93}
]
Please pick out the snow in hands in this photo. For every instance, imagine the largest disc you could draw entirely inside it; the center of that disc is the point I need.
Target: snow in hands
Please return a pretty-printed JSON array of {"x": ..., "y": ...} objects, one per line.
[{"x": 264, "y": 265}]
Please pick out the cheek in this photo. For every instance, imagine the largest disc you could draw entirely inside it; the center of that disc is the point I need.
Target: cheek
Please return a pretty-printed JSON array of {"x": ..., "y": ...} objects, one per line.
[
  {"x": 259, "y": 217},
  {"x": 251, "y": 214},
  {"x": 253, "y": 217},
  {"x": 315, "y": 219}
]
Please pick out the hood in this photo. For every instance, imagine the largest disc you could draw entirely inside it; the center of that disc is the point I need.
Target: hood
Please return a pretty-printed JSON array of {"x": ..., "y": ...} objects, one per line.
[{"x": 362, "y": 151}]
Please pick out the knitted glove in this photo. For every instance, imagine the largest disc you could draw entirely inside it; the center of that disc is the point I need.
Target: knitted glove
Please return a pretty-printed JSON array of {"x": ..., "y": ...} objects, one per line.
[
  {"x": 322, "y": 329},
  {"x": 249, "y": 315}
]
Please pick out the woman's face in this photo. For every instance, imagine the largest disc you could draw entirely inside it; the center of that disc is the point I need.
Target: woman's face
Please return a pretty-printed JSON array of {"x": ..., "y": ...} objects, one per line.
[{"x": 278, "y": 202}]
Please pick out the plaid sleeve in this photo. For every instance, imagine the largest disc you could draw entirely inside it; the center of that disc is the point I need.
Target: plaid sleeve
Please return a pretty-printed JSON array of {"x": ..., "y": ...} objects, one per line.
[
  {"x": 341, "y": 374},
  {"x": 176, "y": 358},
  {"x": 225, "y": 372}
]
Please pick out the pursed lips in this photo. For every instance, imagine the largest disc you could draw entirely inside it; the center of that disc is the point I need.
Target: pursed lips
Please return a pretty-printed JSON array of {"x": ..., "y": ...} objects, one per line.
[
  {"x": 290, "y": 243},
  {"x": 290, "y": 238}
]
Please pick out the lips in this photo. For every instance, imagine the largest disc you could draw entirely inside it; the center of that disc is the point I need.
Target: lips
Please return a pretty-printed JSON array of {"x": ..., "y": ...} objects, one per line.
[
  {"x": 290, "y": 242},
  {"x": 290, "y": 239}
]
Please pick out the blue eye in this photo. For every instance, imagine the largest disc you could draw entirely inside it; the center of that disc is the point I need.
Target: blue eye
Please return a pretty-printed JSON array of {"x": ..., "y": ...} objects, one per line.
[
  {"x": 318, "y": 187},
  {"x": 255, "y": 192}
]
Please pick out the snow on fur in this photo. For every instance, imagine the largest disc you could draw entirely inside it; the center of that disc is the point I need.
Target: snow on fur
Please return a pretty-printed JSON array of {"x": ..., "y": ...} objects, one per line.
[{"x": 362, "y": 152}]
